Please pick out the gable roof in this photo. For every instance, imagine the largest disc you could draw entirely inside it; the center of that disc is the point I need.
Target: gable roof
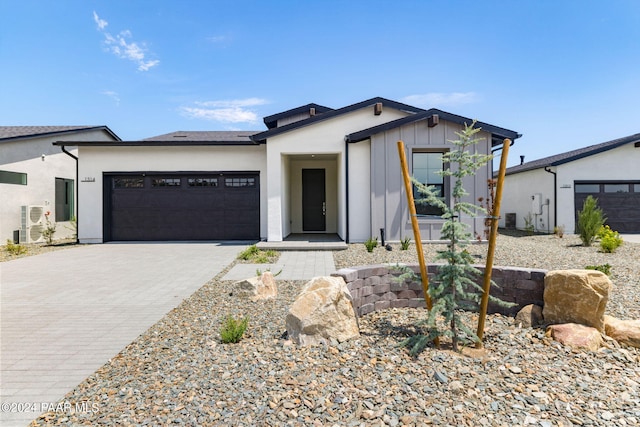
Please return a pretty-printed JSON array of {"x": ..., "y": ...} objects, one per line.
[
  {"x": 263, "y": 136},
  {"x": 272, "y": 120},
  {"x": 12, "y": 133},
  {"x": 498, "y": 134},
  {"x": 570, "y": 156}
]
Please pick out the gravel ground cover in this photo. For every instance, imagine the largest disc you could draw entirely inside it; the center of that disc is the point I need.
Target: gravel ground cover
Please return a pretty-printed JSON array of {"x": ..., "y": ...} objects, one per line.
[{"x": 179, "y": 373}]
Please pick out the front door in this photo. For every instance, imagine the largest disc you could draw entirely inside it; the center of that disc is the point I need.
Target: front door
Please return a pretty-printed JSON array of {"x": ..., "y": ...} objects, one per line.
[{"x": 314, "y": 207}]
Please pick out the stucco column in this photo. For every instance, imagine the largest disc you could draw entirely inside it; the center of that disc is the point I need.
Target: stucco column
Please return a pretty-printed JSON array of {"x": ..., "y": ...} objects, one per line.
[{"x": 274, "y": 196}]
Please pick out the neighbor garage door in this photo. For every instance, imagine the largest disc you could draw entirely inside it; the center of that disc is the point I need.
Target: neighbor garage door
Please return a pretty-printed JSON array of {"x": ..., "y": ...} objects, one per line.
[
  {"x": 619, "y": 200},
  {"x": 170, "y": 206}
]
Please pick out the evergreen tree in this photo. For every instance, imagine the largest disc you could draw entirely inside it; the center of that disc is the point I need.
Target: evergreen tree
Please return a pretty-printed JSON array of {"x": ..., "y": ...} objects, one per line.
[{"x": 453, "y": 282}]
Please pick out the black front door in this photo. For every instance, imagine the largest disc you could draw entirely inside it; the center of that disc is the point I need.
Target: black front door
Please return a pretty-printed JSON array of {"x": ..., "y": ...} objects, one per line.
[{"x": 313, "y": 200}]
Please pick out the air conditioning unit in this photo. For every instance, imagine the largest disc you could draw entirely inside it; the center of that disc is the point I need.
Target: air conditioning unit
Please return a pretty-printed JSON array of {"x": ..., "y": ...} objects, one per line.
[{"x": 32, "y": 220}]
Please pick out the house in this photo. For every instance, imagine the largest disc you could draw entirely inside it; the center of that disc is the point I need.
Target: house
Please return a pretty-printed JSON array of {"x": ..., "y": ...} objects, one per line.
[
  {"x": 40, "y": 177},
  {"x": 314, "y": 169},
  {"x": 549, "y": 192}
]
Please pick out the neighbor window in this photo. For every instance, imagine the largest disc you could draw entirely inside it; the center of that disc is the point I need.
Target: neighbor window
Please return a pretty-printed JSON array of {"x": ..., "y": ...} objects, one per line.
[
  {"x": 64, "y": 199},
  {"x": 7, "y": 177},
  {"x": 426, "y": 169}
]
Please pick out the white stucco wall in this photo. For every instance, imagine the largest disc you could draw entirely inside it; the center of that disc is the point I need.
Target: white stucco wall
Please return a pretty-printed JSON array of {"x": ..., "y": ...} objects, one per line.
[
  {"x": 517, "y": 196},
  {"x": 616, "y": 164},
  {"x": 360, "y": 191},
  {"x": 324, "y": 137},
  {"x": 25, "y": 156},
  {"x": 96, "y": 160}
]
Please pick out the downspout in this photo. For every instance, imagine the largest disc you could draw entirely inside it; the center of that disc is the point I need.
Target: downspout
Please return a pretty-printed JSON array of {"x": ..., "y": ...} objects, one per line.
[
  {"x": 64, "y": 150},
  {"x": 555, "y": 196},
  {"x": 346, "y": 192}
]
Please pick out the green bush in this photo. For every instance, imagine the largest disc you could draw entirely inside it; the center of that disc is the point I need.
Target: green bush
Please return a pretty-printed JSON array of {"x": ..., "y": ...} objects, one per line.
[
  {"x": 233, "y": 329},
  {"x": 404, "y": 243},
  {"x": 371, "y": 244},
  {"x": 609, "y": 240},
  {"x": 15, "y": 249},
  {"x": 590, "y": 219},
  {"x": 605, "y": 268}
]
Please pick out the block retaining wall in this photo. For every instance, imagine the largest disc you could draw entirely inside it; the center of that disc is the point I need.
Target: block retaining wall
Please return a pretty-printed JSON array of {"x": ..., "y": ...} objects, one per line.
[{"x": 376, "y": 287}]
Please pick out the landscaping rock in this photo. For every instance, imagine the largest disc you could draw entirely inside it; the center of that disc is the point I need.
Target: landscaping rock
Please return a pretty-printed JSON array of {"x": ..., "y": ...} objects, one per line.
[
  {"x": 576, "y": 296},
  {"x": 626, "y": 332},
  {"x": 576, "y": 336},
  {"x": 258, "y": 288},
  {"x": 529, "y": 316},
  {"x": 323, "y": 311}
]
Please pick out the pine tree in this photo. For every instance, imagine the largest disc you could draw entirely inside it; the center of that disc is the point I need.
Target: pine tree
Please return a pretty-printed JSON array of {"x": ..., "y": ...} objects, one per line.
[{"x": 453, "y": 283}]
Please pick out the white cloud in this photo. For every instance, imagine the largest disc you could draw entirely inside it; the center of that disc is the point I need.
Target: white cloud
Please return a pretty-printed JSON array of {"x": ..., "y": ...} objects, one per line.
[
  {"x": 120, "y": 46},
  {"x": 113, "y": 95},
  {"x": 439, "y": 99},
  {"x": 102, "y": 24},
  {"x": 225, "y": 111}
]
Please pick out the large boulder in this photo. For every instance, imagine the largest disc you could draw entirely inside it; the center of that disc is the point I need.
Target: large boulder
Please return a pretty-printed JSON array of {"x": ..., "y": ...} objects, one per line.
[
  {"x": 576, "y": 296},
  {"x": 626, "y": 332},
  {"x": 576, "y": 336},
  {"x": 257, "y": 288},
  {"x": 323, "y": 311}
]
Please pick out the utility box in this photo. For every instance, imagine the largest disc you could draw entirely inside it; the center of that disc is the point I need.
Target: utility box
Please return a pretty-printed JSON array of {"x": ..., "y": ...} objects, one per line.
[
  {"x": 536, "y": 204},
  {"x": 510, "y": 221}
]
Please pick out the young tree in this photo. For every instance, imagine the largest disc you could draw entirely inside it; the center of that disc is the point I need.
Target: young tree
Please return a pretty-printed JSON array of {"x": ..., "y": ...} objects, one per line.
[
  {"x": 590, "y": 220},
  {"x": 453, "y": 282}
]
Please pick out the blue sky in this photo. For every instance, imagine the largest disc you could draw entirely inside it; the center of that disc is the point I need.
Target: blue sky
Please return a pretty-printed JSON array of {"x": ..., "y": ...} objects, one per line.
[{"x": 565, "y": 74}]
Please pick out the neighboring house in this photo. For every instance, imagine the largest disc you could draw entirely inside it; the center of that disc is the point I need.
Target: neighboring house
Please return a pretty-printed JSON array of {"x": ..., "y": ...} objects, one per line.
[
  {"x": 552, "y": 190},
  {"x": 314, "y": 170},
  {"x": 34, "y": 173}
]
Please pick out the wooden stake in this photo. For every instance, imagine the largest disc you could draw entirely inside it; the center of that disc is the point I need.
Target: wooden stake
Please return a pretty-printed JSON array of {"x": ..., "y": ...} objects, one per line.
[
  {"x": 495, "y": 215},
  {"x": 414, "y": 224}
]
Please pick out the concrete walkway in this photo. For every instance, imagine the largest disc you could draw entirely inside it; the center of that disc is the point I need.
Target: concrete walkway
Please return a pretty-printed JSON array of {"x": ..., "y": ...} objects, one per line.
[
  {"x": 66, "y": 313},
  {"x": 292, "y": 265}
]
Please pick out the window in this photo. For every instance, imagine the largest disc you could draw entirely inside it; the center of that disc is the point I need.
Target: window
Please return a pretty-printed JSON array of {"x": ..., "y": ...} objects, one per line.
[
  {"x": 426, "y": 168},
  {"x": 128, "y": 182},
  {"x": 203, "y": 182},
  {"x": 587, "y": 188},
  {"x": 165, "y": 182},
  {"x": 240, "y": 182},
  {"x": 616, "y": 188},
  {"x": 64, "y": 199},
  {"x": 7, "y": 177}
]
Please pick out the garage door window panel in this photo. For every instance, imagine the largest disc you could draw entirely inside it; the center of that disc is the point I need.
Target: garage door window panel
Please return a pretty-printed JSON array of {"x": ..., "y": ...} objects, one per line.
[
  {"x": 165, "y": 182},
  {"x": 616, "y": 188}
]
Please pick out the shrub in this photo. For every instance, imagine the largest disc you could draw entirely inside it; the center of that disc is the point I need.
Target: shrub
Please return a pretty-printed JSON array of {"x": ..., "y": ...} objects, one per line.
[
  {"x": 15, "y": 249},
  {"x": 590, "y": 219},
  {"x": 609, "y": 240},
  {"x": 605, "y": 268},
  {"x": 371, "y": 244},
  {"x": 404, "y": 243},
  {"x": 49, "y": 229},
  {"x": 233, "y": 329}
]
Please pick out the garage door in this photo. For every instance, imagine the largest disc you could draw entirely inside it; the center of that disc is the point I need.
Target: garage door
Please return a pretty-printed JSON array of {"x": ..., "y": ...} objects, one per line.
[
  {"x": 194, "y": 206},
  {"x": 619, "y": 200}
]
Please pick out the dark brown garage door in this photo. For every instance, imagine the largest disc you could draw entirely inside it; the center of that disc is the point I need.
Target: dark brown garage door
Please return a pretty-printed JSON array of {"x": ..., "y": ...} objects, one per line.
[
  {"x": 169, "y": 206},
  {"x": 620, "y": 201}
]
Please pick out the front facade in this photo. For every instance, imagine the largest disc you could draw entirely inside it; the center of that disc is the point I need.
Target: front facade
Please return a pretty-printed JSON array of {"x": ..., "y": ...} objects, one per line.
[
  {"x": 37, "y": 178},
  {"x": 314, "y": 170},
  {"x": 549, "y": 192}
]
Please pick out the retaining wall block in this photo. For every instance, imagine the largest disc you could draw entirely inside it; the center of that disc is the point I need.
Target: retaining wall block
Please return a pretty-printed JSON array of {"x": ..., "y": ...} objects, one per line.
[
  {"x": 348, "y": 274},
  {"x": 372, "y": 280},
  {"x": 366, "y": 290},
  {"x": 529, "y": 285},
  {"x": 382, "y": 305},
  {"x": 371, "y": 299},
  {"x": 407, "y": 294},
  {"x": 366, "y": 309},
  {"x": 399, "y": 303},
  {"x": 381, "y": 288},
  {"x": 416, "y": 302}
]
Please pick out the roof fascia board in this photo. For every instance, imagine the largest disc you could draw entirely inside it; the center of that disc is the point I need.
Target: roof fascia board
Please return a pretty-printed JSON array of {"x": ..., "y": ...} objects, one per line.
[
  {"x": 149, "y": 143},
  {"x": 62, "y": 132}
]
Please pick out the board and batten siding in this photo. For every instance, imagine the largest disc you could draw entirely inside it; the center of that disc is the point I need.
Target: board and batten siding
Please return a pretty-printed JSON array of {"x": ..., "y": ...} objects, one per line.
[{"x": 388, "y": 199}]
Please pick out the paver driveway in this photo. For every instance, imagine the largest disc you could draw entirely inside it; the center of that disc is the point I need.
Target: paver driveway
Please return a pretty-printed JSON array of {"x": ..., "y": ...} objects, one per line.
[{"x": 66, "y": 313}]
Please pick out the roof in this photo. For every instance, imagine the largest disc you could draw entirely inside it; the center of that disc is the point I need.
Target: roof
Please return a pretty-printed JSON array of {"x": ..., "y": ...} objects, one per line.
[
  {"x": 12, "y": 133},
  {"x": 222, "y": 137},
  {"x": 272, "y": 121},
  {"x": 263, "y": 136},
  {"x": 570, "y": 156},
  {"x": 179, "y": 138},
  {"x": 498, "y": 134}
]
